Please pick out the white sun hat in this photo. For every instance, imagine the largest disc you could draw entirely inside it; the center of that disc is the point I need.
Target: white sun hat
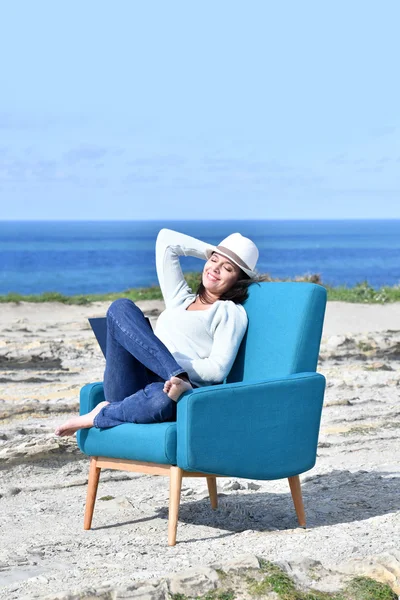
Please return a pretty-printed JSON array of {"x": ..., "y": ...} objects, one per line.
[{"x": 240, "y": 250}]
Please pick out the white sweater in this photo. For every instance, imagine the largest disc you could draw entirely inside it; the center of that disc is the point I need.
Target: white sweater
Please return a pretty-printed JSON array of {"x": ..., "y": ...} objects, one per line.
[{"x": 203, "y": 342}]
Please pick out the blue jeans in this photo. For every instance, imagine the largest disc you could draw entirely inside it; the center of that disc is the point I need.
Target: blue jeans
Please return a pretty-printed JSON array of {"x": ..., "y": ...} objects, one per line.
[{"x": 137, "y": 365}]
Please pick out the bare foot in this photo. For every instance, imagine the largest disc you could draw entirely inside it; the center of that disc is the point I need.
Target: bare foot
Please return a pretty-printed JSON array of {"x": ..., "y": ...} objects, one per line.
[
  {"x": 83, "y": 422},
  {"x": 167, "y": 386},
  {"x": 176, "y": 386}
]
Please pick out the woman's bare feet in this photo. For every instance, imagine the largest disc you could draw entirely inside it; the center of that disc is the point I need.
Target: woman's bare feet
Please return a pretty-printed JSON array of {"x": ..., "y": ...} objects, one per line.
[
  {"x": 83, "y": 422},
  {"x": 176, "y": 386}
]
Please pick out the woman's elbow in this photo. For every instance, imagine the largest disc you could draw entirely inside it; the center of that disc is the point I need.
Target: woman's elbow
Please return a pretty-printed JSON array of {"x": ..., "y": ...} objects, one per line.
[
  {"x": 218, "y": 374},
  {"x": 164, "y": 232}
]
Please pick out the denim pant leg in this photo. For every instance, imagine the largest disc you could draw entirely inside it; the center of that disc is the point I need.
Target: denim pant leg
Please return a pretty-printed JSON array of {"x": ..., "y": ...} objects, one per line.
[
  {"x": 149, "y": 405},
  {"x": 137, "y": 365},
  {"x": 132, "y": 351}
]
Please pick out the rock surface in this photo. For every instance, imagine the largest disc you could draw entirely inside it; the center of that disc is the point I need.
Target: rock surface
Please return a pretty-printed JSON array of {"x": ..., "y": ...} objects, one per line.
[
  {"x": 47, "y": 352},
  {"x": 244, "y": 578}
]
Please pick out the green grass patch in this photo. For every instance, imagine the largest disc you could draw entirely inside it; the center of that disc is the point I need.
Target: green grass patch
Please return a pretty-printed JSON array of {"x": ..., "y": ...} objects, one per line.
[
  {"x": 364, "y": 588},
  {"x": 219, "y": 595},
  {"x": 365, "y": 346},
  {"x": 214, "y": 595},
  {"x": 134, "y": 294},
  {"x": 361, "y": 292},
  {"x": 360, "y": 430},
  {"x": 364, "y": 293},
  {"x": 276, "y": 580}
]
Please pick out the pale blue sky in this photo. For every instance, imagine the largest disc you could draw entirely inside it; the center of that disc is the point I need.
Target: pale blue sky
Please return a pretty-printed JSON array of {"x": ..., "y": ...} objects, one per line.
[{"x": 211, "y": 109}]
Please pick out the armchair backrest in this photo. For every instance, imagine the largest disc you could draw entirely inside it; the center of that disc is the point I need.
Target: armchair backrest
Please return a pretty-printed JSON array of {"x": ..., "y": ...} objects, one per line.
[{"x": 284, "y": 331}]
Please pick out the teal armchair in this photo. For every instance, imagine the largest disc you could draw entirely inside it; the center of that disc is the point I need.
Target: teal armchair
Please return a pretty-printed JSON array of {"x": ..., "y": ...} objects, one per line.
[{"x": 261, "y": 423}]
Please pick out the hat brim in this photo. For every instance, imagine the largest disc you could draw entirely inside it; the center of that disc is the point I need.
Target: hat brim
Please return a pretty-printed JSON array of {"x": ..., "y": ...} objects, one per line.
[{"x": 211, "y": 249}]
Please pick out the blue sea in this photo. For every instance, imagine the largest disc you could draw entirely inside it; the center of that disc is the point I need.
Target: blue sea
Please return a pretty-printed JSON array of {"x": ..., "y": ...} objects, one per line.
[{"x": 100, "y": 256}]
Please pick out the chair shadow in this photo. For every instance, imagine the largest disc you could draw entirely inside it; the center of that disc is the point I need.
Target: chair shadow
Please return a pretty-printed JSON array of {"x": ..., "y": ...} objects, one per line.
[
  {"x": 123, "y": 523},
  {"x": 156, "y": 516},
  {"x": 329, "y": 499}
]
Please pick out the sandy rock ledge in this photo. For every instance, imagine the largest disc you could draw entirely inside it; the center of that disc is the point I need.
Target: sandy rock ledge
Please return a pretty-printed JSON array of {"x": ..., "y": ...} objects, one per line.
[{"x": 249, "y": 576}]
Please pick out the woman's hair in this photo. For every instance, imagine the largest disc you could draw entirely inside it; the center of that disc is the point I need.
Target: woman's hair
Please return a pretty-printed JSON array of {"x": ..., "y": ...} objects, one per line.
[{"x": 237, "y": 293}]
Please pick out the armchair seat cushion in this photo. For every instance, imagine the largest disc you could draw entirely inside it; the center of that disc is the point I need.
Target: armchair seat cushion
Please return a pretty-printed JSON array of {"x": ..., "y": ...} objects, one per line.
[{"x": 150, "y": 443}]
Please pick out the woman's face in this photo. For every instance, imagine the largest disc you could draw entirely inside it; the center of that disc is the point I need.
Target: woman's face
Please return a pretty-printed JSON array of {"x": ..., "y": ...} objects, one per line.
[{"x": 219, "y": 274}]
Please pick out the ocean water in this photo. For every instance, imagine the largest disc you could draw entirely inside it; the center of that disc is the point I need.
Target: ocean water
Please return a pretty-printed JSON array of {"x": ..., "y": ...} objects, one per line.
[{"x": 91, "y": 257}]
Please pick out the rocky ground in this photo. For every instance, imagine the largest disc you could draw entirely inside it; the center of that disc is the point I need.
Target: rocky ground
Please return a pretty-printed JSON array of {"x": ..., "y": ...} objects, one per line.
[{"x": 352, "y": 496}]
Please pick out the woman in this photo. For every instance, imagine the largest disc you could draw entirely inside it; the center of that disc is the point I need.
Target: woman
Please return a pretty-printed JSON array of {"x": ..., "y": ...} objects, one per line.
[{"x": 195, "y": 341}]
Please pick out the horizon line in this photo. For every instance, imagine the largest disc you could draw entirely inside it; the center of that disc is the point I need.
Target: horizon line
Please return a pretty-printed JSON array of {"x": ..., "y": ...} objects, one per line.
[{"x": 195, "y": 220}]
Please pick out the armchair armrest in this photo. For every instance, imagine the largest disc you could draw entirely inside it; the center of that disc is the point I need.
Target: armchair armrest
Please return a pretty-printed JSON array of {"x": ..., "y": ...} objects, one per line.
[
  {"x": 91, "y": 395},
  {"x": 262, "y": 430}
]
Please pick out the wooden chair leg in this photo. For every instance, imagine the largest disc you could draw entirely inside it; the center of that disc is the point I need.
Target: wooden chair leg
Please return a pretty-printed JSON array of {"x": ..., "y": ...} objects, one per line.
[
  {"x": 94, "y": 475},
  {"x": 295, "y": 488},
  {"x": 212, "y": 490},
  {"x": 175, "y": 486}
]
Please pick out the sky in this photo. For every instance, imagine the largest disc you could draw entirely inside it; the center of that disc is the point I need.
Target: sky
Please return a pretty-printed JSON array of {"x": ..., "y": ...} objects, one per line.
[{"x": 199, "y": 110}]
